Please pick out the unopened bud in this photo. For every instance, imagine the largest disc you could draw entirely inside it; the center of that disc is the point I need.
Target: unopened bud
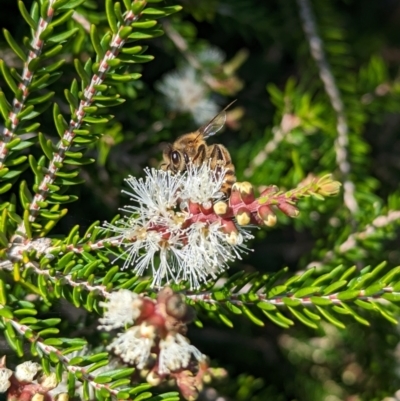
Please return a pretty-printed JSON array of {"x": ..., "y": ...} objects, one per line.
[
  {"x": 247, "y": 192},
  {"x": 62, "y": 397},
  {"x": 267, "y": 216},
  {"x": 243, "y": 216},
  {"x": 193, "y": 208},
  {"x": 267, "y": 193},
  {"x": 49, "y": 382},
  {"x": 228, "y": 226},
  {"x": 235, "y": 197},
  {"x": 289, "y": 209},
  {"x": 328, "y": 187},
  {"x": 273, "y": 189},
  {"x": 153, "y": 378},
  {"x": 206, "y": 207},
  {"x": 220, "y": 208}
]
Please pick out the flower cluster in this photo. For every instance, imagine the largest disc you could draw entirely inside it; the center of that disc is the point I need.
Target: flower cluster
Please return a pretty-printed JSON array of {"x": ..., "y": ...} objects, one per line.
[
  {"x": 186, "y": 91},
  {"x": 184, "y": 229},
  {"x": 24, "y": 384},
  {"x": 172, "y": 227},
  {"x": 155, "y": 340}
]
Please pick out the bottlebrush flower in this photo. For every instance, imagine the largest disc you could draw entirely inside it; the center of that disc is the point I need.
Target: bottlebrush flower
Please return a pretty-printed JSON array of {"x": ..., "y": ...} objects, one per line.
[
  {"x": 176, "y": 353},
  {"x": 164, "y": 234},
  {"x": 5, "y": 374},
  {"x": 134, "y": 346},
  {"x": 26, "y": 371},
  {"x": 123, "y": 307},
  {"x": 156, "y": 341}
]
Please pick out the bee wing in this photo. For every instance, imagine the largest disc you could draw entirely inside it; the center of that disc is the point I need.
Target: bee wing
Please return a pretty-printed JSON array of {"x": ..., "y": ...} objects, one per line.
[{"x": 215, "y": 124}]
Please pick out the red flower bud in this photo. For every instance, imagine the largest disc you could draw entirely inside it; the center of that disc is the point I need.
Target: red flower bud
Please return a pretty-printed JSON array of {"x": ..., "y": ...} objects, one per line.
[
  {"x": 243, "y": 216},
  {"x": 235, "y": 197},
  {"x": 289, "y": 209},
  {"x": 247, "y": 192},
  {"x": 267, "y": 215}
]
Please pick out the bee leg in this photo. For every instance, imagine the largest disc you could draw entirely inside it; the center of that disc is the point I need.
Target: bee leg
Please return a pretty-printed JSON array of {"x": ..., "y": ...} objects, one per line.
[
  {"x": 200, "y": 156},
  {"x": 220, "y": 159}
]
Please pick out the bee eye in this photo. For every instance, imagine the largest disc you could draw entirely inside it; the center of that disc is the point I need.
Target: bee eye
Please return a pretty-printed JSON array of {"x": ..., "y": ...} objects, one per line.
[
  {"x": 186, "y": 157},
  {"x": 175, "y": 157}
]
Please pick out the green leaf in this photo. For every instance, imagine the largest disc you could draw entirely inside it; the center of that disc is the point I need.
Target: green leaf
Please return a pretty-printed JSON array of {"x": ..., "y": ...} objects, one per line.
[
  {"x": 110, "y": 275},
  {"x": 111, "y": 17},
  {"x": 26, "y": 16},
  {"x": 349, "y": 294},
  {"x": 94, "y": 37},
  {"x": 277, "y": 319},
  {"x": 63, "y": 37},
  {"x": 40, "y": 82},
  {"x": 144, "y": 25},
  {"x": 305, "y": 320},
  {"x": 67, "y": 4},
  {"x": 14, "y": 46},
  {"x": 161, "y": 12},
  {"x": 279, "y": 289},
  {"x": 40, "y": 98},
  {"x": 250, "y": 315},
  {"x": 8, "y": 78},
  {"x": 328, "y": 316},
  {"x": 46, "y": 146},
  {"x": 44, "y": 35},
  {"x": 146, "y": 35},
  {"x": 4, "y": 105},
  {"x": 225, "y": 320},
  {"x": 334, "y": 287},
  {"x": 81, "y": 72},
  {"x": 291, "y": 302},
  {"x": 304, "y": 292},
  {"x": 374, "y": 289},
  {"x": 62, "y": 18},
  {"x": 392, "y": 297},
  {"x": 132, "y": 50}
]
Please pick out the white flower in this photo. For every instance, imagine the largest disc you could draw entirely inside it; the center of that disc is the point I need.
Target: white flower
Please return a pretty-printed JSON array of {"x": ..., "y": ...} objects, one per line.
[
  {"x": 154, "y": 195},
  {"x": 202, "y": 184},
  {"x": 208, "y": 250},
  {"x": 176, "y": 353},
  {"x": 49, "y": 382},
  {"x": 160, "y": 233},
  {"x": 123, "y": 308},
  {"x": 134, "y": 345},
  {"x": 211, "y": 56},
  {"x": 187, "y": 92},
  {"x": 25, "y": 372},
  {"x": 5, "y": 374}
]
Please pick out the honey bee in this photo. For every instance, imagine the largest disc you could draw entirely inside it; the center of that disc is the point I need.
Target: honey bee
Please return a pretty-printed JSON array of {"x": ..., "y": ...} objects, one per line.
[{"x": 192, "y": 149}]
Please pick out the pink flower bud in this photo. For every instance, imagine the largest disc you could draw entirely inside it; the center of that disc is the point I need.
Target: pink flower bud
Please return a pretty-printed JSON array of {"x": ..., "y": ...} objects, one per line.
[
  {"x": 247, "y": 192},
  {"x": 289, "y": 209},
  {"x": 235, "y": 197},
  {"x": 267, "y": 216},
  {"x": 194, "y": 208},
  {"x": 221, "y": 208},
  {"x": 271, "y": 190},
  {"x": 243, "y": 216}
]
